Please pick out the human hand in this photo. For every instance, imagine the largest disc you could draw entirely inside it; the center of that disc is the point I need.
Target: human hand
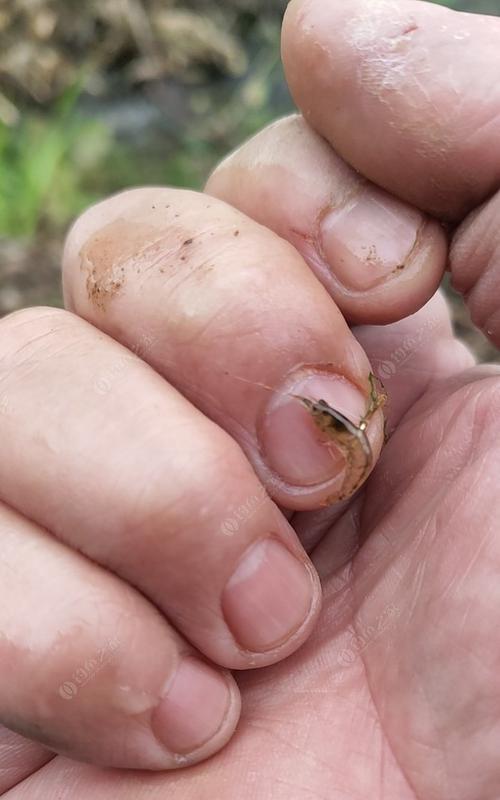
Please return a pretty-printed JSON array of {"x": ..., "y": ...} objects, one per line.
[
  {"x": 151, "y": 535},
  {"x": 376, "y": 678}
]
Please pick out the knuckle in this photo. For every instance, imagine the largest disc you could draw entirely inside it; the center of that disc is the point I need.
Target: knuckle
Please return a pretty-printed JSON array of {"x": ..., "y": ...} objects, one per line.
[
  {"x": 37, "y": 315},
  {"x": 22, "y": 330},
  {"x": 100, "y": 214}
]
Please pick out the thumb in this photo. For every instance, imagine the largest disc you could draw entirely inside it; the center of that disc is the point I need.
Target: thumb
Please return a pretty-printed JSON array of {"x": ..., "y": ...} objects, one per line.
[{"x": 406, "y": 91}]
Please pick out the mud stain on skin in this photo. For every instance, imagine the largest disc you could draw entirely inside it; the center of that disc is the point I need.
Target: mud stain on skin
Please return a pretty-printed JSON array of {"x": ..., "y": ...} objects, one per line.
[
  {"x": 125, "y": 249},
  {"x": 111, "y": 253}
]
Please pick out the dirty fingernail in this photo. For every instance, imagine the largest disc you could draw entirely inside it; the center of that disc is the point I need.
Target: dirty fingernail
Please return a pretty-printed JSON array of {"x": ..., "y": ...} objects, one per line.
[
  {"x": 194, "y": 707},
  {"x": 291, "y": 442},
  {"x": 369, "y": 239},
  {"x": 269, "y": 596}
]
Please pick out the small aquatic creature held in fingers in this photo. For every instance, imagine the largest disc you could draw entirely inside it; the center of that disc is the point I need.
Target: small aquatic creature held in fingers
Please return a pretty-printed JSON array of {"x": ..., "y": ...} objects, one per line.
[{"x": 351, "y": 439}]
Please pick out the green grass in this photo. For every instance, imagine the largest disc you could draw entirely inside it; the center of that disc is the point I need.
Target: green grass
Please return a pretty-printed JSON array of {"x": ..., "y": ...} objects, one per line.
[
  {"x": 52, "y": 165},
  {"x": 41, "y": 162}
]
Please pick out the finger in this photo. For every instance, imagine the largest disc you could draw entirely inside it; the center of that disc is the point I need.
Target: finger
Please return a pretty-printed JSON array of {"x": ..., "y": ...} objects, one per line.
[
  {"x": 380, "y": 259},
  {"x": 475, "y": 267},
  {"x": 90, "y": 669},
  {"x": 408, "y": 357},
  {"x": 236, "y": 321},
  {"x": 405, "y": 91},
  {"x": 100, "y": 450},
  {"x": 423, "y": 556}
]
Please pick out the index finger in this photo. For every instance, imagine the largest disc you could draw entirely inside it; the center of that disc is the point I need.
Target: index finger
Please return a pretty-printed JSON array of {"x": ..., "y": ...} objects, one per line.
[{"x": 407, "y": 92}]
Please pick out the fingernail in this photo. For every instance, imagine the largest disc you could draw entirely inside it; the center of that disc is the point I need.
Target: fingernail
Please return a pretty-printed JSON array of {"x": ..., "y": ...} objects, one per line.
[
  {"x": 194, "y": 707},
  {"x": 369, "y": 239},
  {"x": 269, "y": 596},
  {"x": 291, "y": 442}
]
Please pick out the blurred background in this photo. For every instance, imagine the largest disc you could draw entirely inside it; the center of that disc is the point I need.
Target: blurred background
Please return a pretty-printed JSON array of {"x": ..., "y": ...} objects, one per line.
[{"x": 105, "y": 94}]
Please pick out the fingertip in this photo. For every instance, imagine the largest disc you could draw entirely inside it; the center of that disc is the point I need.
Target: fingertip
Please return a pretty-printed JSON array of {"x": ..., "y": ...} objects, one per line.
[
  {"x": 198, "y": 712},
  {"x": 405, "y": 91},
  {"x": 379, "y": 258},
  {"x": 271, "y": 601},
  {"x": 383, "y": 258}
]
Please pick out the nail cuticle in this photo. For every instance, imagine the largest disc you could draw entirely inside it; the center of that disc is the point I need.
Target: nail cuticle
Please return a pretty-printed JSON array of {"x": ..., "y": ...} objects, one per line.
[
  {"x": 368, "y": 241},
  {"x": 174, "y": 720},
  {"x": 315, "y": 434},
  {"x": 254, "y": 658},
  {"x": 269, "y": 598},
  {"x": 292, "y": 443},
  {"x": 192, "y": 755}
]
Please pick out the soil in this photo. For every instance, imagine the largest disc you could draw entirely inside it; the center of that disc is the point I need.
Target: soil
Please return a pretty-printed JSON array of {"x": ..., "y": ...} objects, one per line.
[{"x": 30, "y": 274}]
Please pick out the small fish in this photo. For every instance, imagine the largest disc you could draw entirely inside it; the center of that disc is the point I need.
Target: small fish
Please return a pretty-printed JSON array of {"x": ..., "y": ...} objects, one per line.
[{"x": 351, "y": 439}]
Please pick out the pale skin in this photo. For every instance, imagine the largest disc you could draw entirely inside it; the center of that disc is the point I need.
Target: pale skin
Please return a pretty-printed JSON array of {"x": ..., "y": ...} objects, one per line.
[{"x": 145, "y": 428}]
